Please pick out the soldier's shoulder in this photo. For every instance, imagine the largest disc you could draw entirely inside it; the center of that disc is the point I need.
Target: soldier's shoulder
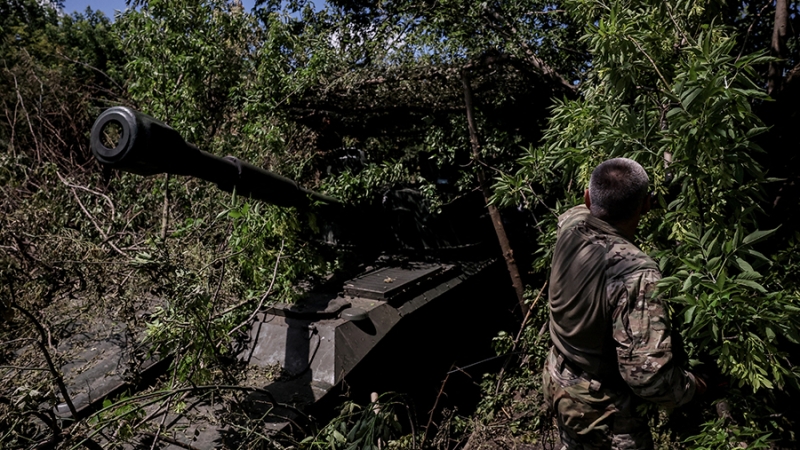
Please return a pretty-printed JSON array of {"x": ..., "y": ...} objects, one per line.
[
  {"x": 573, "y": 216},
  {"x": 624, "y": 257}
]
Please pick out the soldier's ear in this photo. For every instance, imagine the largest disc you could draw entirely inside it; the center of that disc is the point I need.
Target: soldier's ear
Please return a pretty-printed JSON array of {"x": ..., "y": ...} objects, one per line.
[
  {"x": 586, "y": 199},
  {"x": 647, "y": 203}
]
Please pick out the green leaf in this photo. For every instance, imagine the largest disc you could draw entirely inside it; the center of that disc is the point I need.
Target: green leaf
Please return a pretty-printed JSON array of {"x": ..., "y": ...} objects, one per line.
[
  {"x": 749, "y": 276},
  {"x": 757, "y": 236},
  {"x": 687, "y": 99},
  {"x": 744, "y": 265},
  {"x": 791, "y": 335},
  {"x": 755, "y": 131},
  {"x": 722, "y": 279},
  {"x": 689, "y": 283},
  {"x": 339, "y": 437},
  {"x": 758, "y": 255},
  {"x": 669, "y": 281},
  {"x": 689, "y": 314},
  {"x": 737, "y": 235},
  {"x": 705, "y": 238},
  {"x": 673, "y": 112},
  {"x": 751, "y": 284}
]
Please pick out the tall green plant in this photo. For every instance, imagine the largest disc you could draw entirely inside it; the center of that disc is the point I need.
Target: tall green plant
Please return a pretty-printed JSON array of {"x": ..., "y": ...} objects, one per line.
[{"x": 669, "y": 88}]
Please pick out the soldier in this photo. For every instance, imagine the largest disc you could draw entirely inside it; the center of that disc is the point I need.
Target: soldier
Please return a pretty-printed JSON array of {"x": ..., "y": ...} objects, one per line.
[{"x": 612, "y": 347}]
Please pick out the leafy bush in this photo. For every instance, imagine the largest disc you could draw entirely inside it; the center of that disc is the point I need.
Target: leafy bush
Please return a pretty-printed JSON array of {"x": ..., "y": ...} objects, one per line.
[
  {"x": 369, "y": 427},
  {"x": 668, "y": 89}
]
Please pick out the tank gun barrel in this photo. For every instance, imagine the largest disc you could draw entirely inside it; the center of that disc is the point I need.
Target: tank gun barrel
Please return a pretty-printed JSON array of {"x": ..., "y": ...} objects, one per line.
[{"x": 147, "y": 146}]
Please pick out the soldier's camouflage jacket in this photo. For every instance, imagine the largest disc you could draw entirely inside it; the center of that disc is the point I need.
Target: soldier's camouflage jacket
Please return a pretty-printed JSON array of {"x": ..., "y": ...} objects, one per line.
[{"x": 604, "y": 318}]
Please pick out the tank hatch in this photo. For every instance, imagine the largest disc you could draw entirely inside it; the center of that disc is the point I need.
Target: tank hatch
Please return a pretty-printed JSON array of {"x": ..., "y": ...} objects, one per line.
[{"x": 395, "y": 283}]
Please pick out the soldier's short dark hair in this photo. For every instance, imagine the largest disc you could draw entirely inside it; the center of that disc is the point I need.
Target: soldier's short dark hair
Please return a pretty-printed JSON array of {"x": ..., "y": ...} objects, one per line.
[{"x": 617, "y": 188}]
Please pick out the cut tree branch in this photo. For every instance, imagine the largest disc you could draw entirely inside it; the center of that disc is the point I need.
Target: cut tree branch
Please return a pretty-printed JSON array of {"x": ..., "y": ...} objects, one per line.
[
  {"x": 494, "y": 213},
  {"x": 778, "y": 47},
  {"x": 266, "y": 294},
  {"x": 103, "y": 234},
  {"x": 165, "y": 209},
  {"x": 53, "y": 371}
]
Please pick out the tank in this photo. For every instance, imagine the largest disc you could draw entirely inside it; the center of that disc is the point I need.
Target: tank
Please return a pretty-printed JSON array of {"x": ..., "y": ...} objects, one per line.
[{"x": 430, "y": 300}]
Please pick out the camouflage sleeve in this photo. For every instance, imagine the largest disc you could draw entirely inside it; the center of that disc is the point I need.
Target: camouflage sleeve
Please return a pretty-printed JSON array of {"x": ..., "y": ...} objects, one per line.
[{"x": 644, "y": 344}]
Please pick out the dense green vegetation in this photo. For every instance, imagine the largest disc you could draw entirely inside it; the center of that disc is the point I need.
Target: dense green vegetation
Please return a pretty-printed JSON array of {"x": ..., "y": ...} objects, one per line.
[{"x": 702, "y": 93}]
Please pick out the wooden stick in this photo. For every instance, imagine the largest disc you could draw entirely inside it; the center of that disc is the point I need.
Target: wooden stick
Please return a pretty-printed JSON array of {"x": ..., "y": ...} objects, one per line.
[{"x": 494, "y": 213}]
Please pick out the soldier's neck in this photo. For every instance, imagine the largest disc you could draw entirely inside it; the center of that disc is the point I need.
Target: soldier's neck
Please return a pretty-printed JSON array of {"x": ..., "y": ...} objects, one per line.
[{"x": 627, "y": 227}]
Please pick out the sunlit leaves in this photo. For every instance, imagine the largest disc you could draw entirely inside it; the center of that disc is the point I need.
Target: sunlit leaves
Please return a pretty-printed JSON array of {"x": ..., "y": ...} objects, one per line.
[
  {"x": 728, "y": 311},
  {"x": 670, "y": 88}
]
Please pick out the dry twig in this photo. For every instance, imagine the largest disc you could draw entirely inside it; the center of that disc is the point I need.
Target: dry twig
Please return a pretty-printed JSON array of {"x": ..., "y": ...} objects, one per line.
[
  {"x": 517, "y": 338},
  {"x": 266, "y": 294},
  {"x": 91, "y": 218}
]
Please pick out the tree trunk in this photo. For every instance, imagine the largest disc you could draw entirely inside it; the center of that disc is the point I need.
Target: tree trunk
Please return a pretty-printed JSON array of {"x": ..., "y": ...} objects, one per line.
[
  {"x": 778, "y": 47},
  {"x": 497, "y": 221}
]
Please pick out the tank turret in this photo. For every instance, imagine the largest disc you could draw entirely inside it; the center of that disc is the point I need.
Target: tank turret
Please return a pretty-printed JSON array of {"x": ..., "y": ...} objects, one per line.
[{"x": 401, "y": 319}]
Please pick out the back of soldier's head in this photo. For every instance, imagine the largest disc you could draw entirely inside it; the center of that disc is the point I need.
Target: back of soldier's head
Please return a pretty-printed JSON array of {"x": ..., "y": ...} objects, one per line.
[{"x": 617, "y": 188}]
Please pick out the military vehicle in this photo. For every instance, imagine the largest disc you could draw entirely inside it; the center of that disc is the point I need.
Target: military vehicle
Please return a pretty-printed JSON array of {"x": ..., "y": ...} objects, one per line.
[{"x": 431, "y": 295}]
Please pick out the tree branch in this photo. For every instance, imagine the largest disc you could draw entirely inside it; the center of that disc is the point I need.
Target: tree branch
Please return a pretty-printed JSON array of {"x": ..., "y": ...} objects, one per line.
[
  {"x": 91, "y": 218},
  {"x": 510, "y": 32},
  {"x": 266, "y": 294},
  {"x": 778, "y": 48},
  {"x": 55, "y": 372},
  {"x": 497, "y": 221},
  {"x": 653, "y": 63}
]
